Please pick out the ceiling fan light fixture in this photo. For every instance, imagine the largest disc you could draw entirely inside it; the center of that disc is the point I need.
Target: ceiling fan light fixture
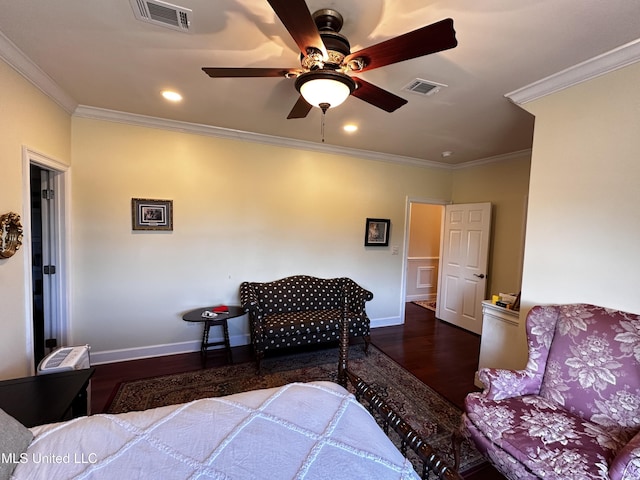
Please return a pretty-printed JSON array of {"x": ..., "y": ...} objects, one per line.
[{"x": 325, "y": 87}]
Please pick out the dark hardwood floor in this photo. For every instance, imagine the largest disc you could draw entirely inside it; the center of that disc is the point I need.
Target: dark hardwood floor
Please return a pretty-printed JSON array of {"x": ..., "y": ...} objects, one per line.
[{"x": 443, "y": 356}]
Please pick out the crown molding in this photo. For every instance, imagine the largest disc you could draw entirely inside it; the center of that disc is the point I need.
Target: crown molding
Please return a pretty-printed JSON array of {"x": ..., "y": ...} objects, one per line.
[
  {"x": 84, "y": 111},
  {"x": 95, "y": 113},
  {"x": 496, "y": 158},
  {"x": 607, "y": 62},
  {"x": 15, "y": 58},
  {"x": 22, "y": 64}
]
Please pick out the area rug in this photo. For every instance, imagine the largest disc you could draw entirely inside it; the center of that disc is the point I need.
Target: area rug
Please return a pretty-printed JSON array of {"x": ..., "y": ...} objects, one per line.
[
  {"x": 429, "y": 305},
  {"x": 425, "y": 410}
]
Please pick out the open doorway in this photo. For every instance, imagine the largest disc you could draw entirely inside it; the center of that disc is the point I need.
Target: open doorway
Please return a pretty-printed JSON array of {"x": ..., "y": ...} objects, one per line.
[
  {"x": 45, "y": 185},
  {"x": 447, "y": 259},
  {"x": 37, "y": 263},
  {"x": 423, "y": 252}
]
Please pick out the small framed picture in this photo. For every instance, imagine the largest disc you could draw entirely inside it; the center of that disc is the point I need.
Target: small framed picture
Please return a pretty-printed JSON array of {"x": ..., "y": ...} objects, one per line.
[
  {"x": 376, "y": 233},
  {"x": 149, "y": 214}
]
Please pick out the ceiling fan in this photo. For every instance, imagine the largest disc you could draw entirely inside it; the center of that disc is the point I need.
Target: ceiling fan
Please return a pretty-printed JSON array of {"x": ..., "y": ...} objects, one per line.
[{"x": 324, "y": 77}]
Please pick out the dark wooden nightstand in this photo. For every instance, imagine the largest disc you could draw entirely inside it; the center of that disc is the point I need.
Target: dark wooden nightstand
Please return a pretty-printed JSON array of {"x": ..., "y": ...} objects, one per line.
[{"x": 46, "y": 398}]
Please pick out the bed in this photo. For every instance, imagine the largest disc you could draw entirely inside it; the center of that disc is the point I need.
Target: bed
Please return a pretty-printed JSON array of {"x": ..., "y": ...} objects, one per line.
[{"x": 315, "y": 430}]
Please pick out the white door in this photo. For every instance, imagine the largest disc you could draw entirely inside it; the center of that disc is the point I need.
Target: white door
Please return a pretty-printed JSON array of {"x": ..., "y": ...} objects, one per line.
[{"x": 464, "y": 262}]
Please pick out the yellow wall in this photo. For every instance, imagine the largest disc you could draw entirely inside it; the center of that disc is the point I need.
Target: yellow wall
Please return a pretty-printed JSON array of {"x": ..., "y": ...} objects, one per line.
[
  {"x": 426, "y": 224},
  {"x": 242, "y": 211},
  {"x": 505, "y": 184},
  {"x": 423, "y": 257},
  {"x": 583, "y": 222},
  {"x": 27, "y": 118}
]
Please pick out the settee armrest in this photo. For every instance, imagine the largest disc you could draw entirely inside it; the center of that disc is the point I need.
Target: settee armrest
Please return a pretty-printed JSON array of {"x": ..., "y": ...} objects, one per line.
[
  {"x": 357, "y": 296},
  {"x": 500, "y": 383},
  {"x": 250, "y": 302},
  {"x": 626, "y": 464},
  {"x": 248, "y": 297}
]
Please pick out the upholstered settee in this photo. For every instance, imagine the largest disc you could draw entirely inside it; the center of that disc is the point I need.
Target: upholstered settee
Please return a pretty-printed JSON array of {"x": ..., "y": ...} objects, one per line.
[
  {"x": 574, "y": 411},
  {"x": 302, "y": 310}
]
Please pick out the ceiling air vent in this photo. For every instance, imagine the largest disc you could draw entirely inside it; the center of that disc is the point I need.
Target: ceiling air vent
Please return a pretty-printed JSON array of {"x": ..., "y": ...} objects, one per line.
[
  {"x": 162, "y": 14},
  {"x": 424, "y": 87}
]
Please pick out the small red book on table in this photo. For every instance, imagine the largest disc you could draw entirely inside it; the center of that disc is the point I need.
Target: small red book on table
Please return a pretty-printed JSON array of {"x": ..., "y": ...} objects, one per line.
[{"x": 221, "y": 309}]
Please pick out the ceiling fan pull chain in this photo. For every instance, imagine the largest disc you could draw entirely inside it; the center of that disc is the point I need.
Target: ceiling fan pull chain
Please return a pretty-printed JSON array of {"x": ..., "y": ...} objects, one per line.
[{"x": 324, "y": 107}]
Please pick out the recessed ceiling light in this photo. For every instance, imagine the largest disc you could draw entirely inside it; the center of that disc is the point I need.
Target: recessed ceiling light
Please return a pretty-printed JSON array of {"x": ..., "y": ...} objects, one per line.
[
  {"x": 350, "y": 128},
  {"x": 171, "y": 95},
  {"x": 446, "y": 154}
]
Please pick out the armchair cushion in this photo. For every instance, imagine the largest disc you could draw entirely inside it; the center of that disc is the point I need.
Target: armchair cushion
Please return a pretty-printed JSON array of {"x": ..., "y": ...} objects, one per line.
[{"x": 545, "y": 438}]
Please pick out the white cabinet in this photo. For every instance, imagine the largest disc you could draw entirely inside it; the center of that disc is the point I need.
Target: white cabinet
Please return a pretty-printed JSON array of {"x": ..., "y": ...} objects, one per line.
[{"x": 503, "y": 342}]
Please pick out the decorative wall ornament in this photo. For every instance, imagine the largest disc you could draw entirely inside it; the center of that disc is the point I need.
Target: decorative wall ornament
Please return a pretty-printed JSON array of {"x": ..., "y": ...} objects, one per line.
[
  {"x": 10, "y": 234},
  {"x": 147, "y": 214},
  {"x": 376, "y": 232}
]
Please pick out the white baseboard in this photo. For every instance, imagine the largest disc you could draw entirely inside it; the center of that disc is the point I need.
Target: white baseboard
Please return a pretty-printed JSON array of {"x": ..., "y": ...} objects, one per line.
[
  {"x": 150, "y": 351},
  {"x": 428, "y": 297},
  {"x": 416, "y": 298},
  {"x": 386, "y": 322}
]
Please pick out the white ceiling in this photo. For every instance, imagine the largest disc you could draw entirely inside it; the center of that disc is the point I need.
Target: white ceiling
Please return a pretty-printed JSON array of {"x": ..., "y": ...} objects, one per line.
[{"x": 101, "y": 56}]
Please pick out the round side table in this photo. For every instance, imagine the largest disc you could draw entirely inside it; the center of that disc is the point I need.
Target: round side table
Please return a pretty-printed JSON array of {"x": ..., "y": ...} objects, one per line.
[{"x": 220, "y": 320}]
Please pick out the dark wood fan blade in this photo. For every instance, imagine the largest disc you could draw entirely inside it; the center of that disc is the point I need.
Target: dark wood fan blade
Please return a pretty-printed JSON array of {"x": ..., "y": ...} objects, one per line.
[
  {"x": 297, "y": 19},
  {"x": 377, "y": 96},
  {"x": 225, "y": 72},
  {"x": 433, "y": 38},
  {"x": 300, "y": 110}
]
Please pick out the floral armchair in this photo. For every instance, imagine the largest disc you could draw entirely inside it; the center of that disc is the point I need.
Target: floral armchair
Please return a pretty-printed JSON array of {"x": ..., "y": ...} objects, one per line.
[{"x": 574, "y": 411}]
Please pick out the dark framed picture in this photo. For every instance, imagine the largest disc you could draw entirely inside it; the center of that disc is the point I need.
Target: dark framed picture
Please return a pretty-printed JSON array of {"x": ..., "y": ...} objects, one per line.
[
  {"x": 147, "y": 214},
  {"x": 376, "y": 233}
]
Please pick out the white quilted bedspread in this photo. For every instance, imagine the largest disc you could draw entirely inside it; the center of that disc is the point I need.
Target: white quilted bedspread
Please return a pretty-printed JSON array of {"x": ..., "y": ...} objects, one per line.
[{"x": 302, "y": 430}]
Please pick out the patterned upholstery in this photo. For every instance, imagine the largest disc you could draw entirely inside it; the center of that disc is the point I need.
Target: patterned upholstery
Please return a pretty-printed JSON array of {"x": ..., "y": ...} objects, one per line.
[
  {"x": 302, "y": 310},
  {"x": 574, "y": 411}
]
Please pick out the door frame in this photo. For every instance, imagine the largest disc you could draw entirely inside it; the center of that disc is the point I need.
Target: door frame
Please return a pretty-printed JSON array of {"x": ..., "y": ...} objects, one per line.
[
  {"x": 62, "y": 185},
  {"x": 405, "y": 251}
]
